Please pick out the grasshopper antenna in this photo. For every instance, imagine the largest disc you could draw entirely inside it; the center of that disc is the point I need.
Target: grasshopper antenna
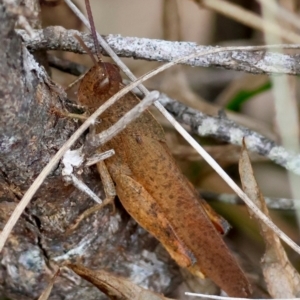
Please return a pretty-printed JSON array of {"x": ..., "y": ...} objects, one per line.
[
  {"x": 93, "y": 29},
  {"x": 87, "y": 50}
]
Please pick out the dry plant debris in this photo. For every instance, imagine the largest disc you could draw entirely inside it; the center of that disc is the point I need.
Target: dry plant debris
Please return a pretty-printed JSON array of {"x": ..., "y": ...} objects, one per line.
[
  {"x": 282, "y": 279},
  {"x": 114, "y": 287}
]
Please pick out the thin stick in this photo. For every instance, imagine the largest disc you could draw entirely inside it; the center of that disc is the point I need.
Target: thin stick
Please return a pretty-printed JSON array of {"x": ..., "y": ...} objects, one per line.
[
  {"x": 84, "y": 188},
  {"x": 226, "y": 298},
  {"x": 86, "y": 49},
  {"x": 66, "y": 65},
  {"x": 99, "y": 157},
  {"x": 92, "y": 28},
  {"x": 112, "y": 131},
  {"x": 215, "y": 297},
  {"x": 272, "y": 203},
  {"x": 226, "y": 130},
  {"x": 78, "y": 79}
]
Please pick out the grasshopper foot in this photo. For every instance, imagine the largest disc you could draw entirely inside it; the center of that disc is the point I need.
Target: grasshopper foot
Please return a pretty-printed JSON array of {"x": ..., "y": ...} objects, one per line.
[{"x": 91, "y": 211}]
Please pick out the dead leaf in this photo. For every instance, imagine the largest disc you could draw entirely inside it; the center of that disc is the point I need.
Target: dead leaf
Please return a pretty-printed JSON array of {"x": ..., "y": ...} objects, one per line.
[
  {"x": 46, "y": 293},
  {"x": 114, "y": 287},
  {"x": 283, "y": 281}
]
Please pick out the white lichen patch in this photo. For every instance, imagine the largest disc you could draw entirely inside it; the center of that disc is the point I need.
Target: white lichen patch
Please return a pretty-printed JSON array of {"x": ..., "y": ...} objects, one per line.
[
  {"x": 32, "y": 260},
  {"x": 114, "y": 223},
  {"x": 144, "y": 269},
  {"x": 294, "y": 166},
  {"x": 291, "y": 160},
  {"x": 6, "y": 143},
  {"x": 253, "y": 141},
  {"x": 152, "y": 258},
  {"x": 236, "y": 136},
  {"x": 208, "y": 126},
  {"x": 140, "y": 273},
  {"x": 278, "y": 152},
  {"x": 71, "y": 159}
]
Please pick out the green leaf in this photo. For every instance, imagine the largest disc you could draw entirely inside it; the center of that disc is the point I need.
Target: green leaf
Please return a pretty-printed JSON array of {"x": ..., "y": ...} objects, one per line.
[{"x": 243, "y": 95}]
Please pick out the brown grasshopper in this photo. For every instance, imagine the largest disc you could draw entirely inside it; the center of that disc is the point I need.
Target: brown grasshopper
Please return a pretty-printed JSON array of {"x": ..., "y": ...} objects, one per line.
[{"x": 152, "y": 188}]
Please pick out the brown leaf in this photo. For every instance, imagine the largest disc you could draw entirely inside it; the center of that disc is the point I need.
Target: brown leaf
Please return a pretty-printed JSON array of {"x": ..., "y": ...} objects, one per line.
[
  {"x": 114, "y": 287},
  {"x": 283, "y": 281}
]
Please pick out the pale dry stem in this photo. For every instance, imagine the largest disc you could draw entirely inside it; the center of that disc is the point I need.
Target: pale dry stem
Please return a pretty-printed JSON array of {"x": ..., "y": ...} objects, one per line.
[
  {"x": 250, "y": 19},
  {"x": 285, "y": 105},
  {"x": 281, "y": 11}
]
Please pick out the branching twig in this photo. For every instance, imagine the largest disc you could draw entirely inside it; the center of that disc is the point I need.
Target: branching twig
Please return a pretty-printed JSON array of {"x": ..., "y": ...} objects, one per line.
[
  {"x": 66, "y": 65},
  {"x": 228, "y": 131},
  {"x": 258, "y": 62}
]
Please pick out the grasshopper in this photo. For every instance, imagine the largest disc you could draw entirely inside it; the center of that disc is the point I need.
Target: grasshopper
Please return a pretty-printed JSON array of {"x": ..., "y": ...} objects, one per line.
[{"x": 152, "y": 188}]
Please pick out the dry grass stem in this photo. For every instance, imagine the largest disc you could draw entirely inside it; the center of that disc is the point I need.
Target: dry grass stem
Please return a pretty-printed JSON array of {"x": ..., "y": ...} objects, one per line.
[
  {"x": 281, "y": 11},
  {"x": 286, "y": 108},
  {"x": 250, "y": 19}
]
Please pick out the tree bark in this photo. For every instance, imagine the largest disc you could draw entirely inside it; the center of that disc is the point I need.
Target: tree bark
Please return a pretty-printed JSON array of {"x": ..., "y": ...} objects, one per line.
[{"x": 30, "y": 134}]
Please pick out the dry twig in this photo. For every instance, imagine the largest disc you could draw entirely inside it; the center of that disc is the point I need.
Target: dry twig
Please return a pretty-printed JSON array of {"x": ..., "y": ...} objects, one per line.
[
  {"x": 281, "y": 277},
  {"x": 258, "y": 62},
  {"x": 228, "y": 131}
]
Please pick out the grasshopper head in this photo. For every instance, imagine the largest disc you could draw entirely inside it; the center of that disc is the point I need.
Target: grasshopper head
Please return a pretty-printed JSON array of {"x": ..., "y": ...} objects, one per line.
[{"x": 100, "y": 83}]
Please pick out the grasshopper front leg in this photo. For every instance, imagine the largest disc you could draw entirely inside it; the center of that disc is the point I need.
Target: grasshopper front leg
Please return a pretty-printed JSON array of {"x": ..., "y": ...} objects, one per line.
[
  {"x": 110, "y": 193},
  {"x": 108, "y": 185}
]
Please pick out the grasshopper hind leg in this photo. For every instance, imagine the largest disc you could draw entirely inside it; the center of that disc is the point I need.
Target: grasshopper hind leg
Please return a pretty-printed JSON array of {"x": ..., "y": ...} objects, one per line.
[{"x": 142, "y": 207}]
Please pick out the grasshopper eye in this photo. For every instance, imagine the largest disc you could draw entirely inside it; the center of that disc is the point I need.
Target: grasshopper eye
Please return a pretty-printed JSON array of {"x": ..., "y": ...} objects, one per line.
[{"x": 104, "y": 82}]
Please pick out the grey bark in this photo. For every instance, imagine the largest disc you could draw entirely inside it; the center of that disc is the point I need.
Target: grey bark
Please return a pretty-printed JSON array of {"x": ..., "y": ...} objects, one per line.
[
  {"x": 226, "y": 130},
  {"x": 30, "y": 133}
]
